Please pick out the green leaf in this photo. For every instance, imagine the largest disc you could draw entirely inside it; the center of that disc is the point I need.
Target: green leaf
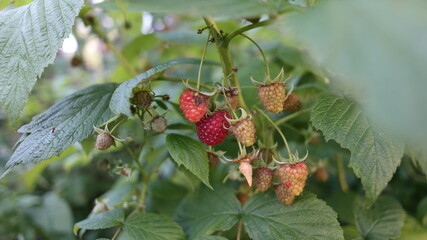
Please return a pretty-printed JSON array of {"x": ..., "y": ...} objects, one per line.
[
  {"x": 120, "y": 101},
  {"x": 367, "y": 52},
  {"x": 307, "y": 218},
  {"x": 164, "y": 196},
  {"x": 206, "y": 211},
  {"x": 152, "y": 226},
  {"x": 211, "y": 238},
  {"x": 382, "y": 221},
  {"x": 103, "y": 220},
  {"x": 72, "y": 119},
  {"x": 218, "y": 8},
  {"x": 412, "y": 230},
  {"x": 374, "y": 155},
  {"x": 30, "y": 38},
  {"x": 190, "y": 153},
  {"x": 53, "y": 216}
]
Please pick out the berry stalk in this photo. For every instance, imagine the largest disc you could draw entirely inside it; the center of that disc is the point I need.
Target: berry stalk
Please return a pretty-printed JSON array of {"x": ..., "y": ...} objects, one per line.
[{"x": 280, "y": 132}]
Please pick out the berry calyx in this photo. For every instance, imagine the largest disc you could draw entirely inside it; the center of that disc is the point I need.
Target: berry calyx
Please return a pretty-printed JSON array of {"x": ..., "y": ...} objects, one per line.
[
  {"x": 263, "y": 178},
  {"x": 193, "y": 104},
  {"x": 293, "y": 176},
  {"x": 104, "y": 141},
  {"x": 212, "y": 130},
  {"x": 292, "y": 103}
]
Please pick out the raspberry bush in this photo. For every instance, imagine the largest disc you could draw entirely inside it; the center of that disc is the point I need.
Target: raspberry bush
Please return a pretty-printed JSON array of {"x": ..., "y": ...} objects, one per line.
[{"x": 227, "y": 119}]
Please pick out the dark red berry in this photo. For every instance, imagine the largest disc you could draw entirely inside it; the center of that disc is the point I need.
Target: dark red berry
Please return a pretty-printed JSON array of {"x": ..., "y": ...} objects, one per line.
[{"x": 212, "y": 129}]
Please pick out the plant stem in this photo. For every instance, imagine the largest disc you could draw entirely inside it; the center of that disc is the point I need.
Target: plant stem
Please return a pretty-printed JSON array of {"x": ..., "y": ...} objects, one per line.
[
  {"x": 201, "y": 62},
  {"x": 291, "y": 116},
  {"x": 116, "y": 233},
  {"x": 225, "y": 58},
  {"x": 239, "y": 230},
  {"x": 267, "y": 69},
  {"x": 278, "y": 130},
  {"x": 123, "y": 61},
  {"x": 341, "y": 173},
  {"x": 246, "y": 28}
]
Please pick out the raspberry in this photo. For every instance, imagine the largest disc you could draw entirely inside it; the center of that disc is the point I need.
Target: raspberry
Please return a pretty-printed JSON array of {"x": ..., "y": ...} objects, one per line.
[
  {"x": 292, "y": 103},
  {"x": 293, "y": 176},
  {"x": 263, "y": 178},
  {"x": 142, "y": 99},
  {"x": 244, "y": 131},
  {"x": 210, "y": 129},
  {"x": 104, "y": 141},
  {"x": 193, "y": 104},
  {"x": 283, "y": 194},
  {"x": 272, "y": 96},
  {"x": 246, "y": 169},
  {"x": 159, "y": 124},
  {"x": 321, "y": 174}
]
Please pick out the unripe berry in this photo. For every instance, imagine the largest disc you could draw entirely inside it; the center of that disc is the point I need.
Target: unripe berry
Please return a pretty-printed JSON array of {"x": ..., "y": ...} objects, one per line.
[
  {"x": 159, "y": 124},
  {"x": 104, "y": 141},
  {"x": 263, "y": 178},
  {"x": 272, "y": 96}
]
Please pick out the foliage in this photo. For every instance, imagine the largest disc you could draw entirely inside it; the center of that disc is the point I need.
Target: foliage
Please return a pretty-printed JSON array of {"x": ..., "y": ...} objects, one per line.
[{"x": 357, "y": 73}]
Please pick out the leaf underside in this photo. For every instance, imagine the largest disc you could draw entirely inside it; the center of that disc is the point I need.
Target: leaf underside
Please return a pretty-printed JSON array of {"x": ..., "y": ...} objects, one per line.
[
  {"x": 30, "y": 38},
  {"x": 66, "y": 122}
]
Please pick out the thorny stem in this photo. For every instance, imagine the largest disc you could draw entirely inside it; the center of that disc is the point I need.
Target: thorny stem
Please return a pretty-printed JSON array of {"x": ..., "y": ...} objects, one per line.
[
  {"x": 225, "y": 58},
  {"x": 201, "y": 62},
  {"x": 267, "y": 68},
  {"x": 278, "y": 130},
  {"x": 246, "y": 28}
]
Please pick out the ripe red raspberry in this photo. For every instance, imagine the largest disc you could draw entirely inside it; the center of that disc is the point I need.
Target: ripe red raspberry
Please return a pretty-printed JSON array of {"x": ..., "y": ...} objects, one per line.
[
  {"x": 292, "y": 103},
  {"x": 293, "y": 176},
  {"x": 263, "y": 178},
  {"x": 244, "y": 131},
  {"x": 104, "y": 141},
  {"x": 212, "y": 129},
  {"x": 283, "y": 194},
  {"x": 194, "y": 104},
  {"x": 272, "y": 96}
]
